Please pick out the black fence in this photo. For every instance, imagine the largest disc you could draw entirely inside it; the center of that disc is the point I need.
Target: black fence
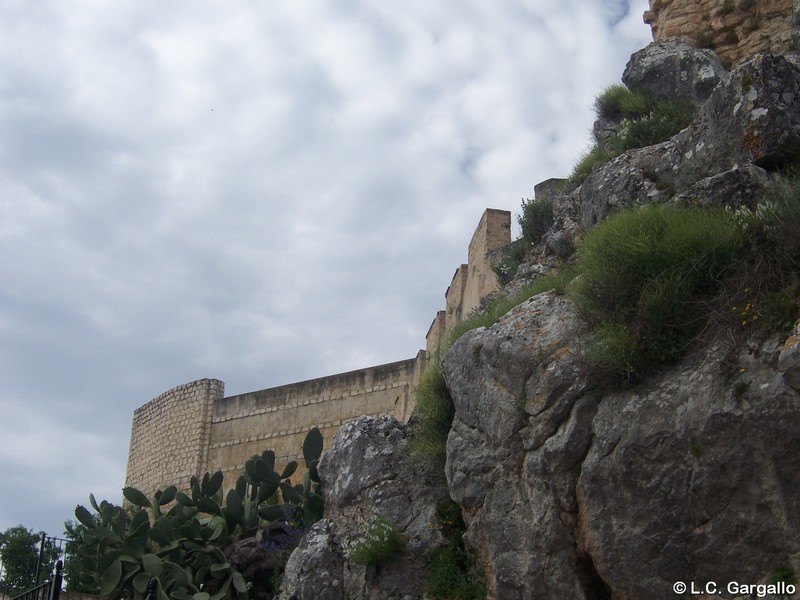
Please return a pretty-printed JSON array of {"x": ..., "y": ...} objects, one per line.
[
  {"x": 48, "y": 584},
  {"x": 48, "y": 590}
]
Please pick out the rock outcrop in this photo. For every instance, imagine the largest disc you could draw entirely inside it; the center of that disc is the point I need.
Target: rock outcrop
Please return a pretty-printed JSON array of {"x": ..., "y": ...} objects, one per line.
[
  {"x": 368, "y": 474},
  {"x": 750, "y": 122},
  {"x": 522, "y": 427},
  {"x": 691, "y": 476}
]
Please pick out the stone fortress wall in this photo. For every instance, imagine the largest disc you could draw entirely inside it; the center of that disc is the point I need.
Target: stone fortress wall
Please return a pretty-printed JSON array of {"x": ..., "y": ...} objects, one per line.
[
  {"x": 734, "y": 29},
  {"x": 171, "y": 434},
  {"x": 194, "y": 428},
  {"x": 473, "y": 281}
]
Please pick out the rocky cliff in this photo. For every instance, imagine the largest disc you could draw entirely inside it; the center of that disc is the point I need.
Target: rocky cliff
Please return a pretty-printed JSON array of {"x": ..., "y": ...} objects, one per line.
[{"x": 571, "y": 488}]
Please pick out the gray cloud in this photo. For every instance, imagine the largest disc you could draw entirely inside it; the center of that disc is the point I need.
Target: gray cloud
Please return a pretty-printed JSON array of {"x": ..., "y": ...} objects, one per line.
[{"x": 258, "y": 193}]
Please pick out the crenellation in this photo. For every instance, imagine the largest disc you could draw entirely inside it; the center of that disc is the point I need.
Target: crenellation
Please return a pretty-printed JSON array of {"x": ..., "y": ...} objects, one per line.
[{"x": 474, "y": 281}]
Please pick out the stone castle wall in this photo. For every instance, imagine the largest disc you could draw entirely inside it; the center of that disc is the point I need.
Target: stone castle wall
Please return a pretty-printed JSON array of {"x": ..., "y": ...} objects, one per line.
[
  {"x": 194, "y": 428},
  {"x": 474, "y": 281},
  {"x": 279, "y": 418},
  {"x": 734, "y": 29},
  {"x": 171, "y": 434}
]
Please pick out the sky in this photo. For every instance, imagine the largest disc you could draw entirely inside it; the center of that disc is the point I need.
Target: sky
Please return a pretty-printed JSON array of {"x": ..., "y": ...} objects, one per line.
[{"x": 253, "y": 191}]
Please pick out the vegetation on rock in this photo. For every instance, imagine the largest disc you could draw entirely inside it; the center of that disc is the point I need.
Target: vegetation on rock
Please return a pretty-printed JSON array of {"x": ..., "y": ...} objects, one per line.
[
  {"x": 650, "y": 279},
  {"x": 641, "y": 121},
  {"x": 452, "y": 574},
  {"x": 641, "y": 272},
  {"x": 380, "y": 543}
]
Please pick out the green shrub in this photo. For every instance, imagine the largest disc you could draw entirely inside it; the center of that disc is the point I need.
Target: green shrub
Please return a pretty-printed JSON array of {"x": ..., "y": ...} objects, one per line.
[
  {"x": 640, "y": 274},
  {"x": 612, "y": 348},
  {"x": 452, "y": 574},
  {"x": 596, "y": 155},
  {"x": 618, "y": 102},
  {"x": 649, "y": 279},
  {"x": 434, "y": 415},
  {"x": 380, "y": 544},
  {"x": 535, "y": 219},
  {"x": 764, "y": 285},
  {"x": 665, "y": 119}
]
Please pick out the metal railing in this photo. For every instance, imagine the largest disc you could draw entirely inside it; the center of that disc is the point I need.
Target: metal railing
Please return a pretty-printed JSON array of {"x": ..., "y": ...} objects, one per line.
[{"x": 48, "y": 590}]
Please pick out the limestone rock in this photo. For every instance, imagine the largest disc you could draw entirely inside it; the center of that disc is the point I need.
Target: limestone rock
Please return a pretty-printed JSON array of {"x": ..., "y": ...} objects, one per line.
[
  {"x": 316, "y": 567},
  {"x": 367, "y": 473},
  {"x": 631, "y": 179},
  {"x": 741, "y": 185},
  {"x": 693, "y": 476},
  {"x": 751, "y": 118},
  {"x": 570, "y": 493},
  {"x": 513, "y": 453},
  {"x": 674, "y": 69}
]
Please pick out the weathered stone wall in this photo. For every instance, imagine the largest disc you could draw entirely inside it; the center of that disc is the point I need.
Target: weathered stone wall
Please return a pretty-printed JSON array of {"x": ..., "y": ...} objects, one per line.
[
  {"x": 170, "y": 436},
  {"x": 734, "y": 29},
  {"x": 279, "y": 418},
  {"x": 474, "y": 281}
]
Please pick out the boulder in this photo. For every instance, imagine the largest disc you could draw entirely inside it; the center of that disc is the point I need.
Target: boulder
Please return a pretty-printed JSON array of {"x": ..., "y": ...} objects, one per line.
[
  {"x": 369, "y": 474},
  {"x": 522, "y": 409},
  {"x": 742, "y": 185},
  {"x": 753, "y": 116},
  {"x": 674, "y": 69},
  {"x": 316, "y": 567}
]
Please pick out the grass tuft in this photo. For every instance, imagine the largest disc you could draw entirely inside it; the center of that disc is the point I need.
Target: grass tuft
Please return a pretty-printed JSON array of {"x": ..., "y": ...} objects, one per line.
[
  {"x": 452, "y": 574},
  {"x": 641, "y": 272},
  {"x": 642, "y": 122},
  {"x": 380, "y": 544}
]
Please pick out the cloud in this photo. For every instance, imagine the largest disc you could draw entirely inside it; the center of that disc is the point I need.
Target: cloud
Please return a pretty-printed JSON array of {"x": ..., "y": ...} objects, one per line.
[{"x": 258, "y": 193}]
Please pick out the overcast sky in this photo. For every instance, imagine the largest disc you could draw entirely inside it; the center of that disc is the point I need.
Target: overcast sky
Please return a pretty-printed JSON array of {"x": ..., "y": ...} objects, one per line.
[{"x": 259, "y": 192}]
